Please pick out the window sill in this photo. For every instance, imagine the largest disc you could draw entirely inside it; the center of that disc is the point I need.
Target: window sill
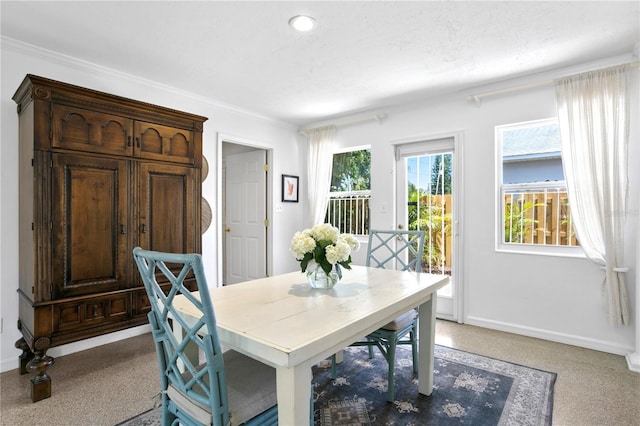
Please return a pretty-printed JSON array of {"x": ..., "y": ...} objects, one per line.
[{"x": 555, "y": 251}]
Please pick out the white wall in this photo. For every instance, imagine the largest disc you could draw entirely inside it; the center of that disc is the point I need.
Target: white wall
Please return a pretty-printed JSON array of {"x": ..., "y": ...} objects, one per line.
[
  {"x": 556, "y": 298},
  {"x": 19, "y": 60}
]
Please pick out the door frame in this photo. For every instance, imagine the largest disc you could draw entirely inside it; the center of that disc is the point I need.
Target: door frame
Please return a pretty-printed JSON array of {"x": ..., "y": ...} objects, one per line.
[
  {"x": 219, "y": 224},
  {"x": 459, "y": 267}
]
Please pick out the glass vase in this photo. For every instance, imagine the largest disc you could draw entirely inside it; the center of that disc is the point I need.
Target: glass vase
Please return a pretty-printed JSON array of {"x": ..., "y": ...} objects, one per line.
[{"x": 319, "y": 279}]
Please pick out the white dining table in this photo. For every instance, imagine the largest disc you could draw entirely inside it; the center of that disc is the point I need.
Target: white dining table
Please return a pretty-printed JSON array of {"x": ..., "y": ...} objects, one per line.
[{"x": 283, "y": 322}]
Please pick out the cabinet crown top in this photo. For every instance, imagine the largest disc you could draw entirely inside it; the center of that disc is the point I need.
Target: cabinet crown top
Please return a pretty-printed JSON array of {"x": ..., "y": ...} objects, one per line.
[{"x": 36, "y": 87}]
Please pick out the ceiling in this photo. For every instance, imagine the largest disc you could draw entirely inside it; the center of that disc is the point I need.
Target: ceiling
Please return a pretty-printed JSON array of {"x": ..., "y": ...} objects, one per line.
[{"x": 363, "y": 55}]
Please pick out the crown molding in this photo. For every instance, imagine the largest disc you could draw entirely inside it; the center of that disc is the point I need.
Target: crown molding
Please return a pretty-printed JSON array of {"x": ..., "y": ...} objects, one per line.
[{"x": 82, "y": 65}]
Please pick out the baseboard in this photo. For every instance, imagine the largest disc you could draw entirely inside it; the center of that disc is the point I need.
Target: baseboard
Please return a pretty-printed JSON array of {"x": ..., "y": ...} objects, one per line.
[
  {"x": 82, "y": 345},
  {"x": 633, "y": 361},
  {"x": 446, "y": 317},
  {"x": 552, "y": 336}
]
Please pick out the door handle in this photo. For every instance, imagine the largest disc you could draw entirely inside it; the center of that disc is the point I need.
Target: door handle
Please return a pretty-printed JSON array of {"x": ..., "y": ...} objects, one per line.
[
  {"x": 399, "y": 226},
  {"x": 227, "y": 229}
]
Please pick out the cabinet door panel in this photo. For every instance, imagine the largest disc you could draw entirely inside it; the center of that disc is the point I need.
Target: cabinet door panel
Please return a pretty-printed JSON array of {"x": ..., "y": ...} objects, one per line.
[
  {"x": 157, "y": 142},
  {"x": 89, "y": 228},
  {"x": 167, "y": 209},
  {"x": 91, "y": 131}
]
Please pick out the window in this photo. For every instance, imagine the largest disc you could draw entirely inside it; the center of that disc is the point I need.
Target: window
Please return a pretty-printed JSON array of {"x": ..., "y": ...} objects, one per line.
[
  {"x": 348, "y": 208},
  {"x": 533, "y": 205}
]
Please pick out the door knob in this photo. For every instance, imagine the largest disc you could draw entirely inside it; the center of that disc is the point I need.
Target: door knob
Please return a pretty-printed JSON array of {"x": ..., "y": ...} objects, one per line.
[
  {"x": 227, "y": 229},
  {"x": 399, "y": 226}
]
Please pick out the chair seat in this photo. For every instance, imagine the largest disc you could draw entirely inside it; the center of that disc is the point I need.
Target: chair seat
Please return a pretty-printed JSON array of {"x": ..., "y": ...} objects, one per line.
[
  {"x": 251, "y": 390},
  {"x": 401, "y": 322}
]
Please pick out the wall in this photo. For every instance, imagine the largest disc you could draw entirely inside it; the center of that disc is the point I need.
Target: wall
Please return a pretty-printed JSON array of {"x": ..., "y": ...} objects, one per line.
[
  {"x": 556, "y": 298},
  {"x": 19, "y": 60},
  {"x": 532, "y": 171}
]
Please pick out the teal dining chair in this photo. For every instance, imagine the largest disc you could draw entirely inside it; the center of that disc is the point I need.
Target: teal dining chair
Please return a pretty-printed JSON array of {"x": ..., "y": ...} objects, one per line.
[
  {"x": 228, "y": 388},
  {"x": 400, "y": 250}
]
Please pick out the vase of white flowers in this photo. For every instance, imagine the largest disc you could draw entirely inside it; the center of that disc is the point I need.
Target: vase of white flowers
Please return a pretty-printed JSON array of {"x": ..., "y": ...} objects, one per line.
[
  {"x": 322, "y": 252},
  {"x": 319, "y": 279}
]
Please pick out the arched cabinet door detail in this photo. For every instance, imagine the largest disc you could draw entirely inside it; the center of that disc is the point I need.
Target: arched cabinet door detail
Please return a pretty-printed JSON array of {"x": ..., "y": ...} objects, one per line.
[
  {"x": 164, "y": 143},
  {"x": 94, "y": 132}
]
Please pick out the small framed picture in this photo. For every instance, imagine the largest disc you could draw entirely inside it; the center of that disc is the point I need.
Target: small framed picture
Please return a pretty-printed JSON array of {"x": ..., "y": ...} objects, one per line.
[{"x": 290, "y": 188}]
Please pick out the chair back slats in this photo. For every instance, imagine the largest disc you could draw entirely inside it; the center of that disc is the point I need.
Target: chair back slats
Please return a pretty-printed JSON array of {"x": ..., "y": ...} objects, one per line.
[
  {"x": 401, "y": 250},
  {"x": 393, "y": 249},
  {"x": 205, "y": 384}
]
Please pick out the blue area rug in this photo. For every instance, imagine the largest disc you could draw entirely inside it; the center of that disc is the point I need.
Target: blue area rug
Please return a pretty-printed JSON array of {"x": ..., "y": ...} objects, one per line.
[{"x": 469, "y": 389}]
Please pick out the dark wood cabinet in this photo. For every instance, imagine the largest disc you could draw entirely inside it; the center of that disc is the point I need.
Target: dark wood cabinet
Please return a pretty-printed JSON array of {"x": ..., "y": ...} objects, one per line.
[{"x": 99, "y": 175}]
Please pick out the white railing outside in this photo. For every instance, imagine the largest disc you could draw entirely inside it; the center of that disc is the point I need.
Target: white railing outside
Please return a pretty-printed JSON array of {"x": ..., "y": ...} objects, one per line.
[{"x": 349, "y": 211}]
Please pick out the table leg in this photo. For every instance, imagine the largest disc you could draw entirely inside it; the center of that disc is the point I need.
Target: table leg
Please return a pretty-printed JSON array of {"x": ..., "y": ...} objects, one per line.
[
  {"x": 294, "y": 395},
  {"x": 426, "y": 342}
]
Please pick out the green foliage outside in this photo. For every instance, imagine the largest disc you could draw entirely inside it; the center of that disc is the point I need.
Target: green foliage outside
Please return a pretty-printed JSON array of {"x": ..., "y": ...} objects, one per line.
[
  {"x": 426, "y": 213},
  {"x": 437, "y": 225},
  {"x": 351, "y": 171},
  {"x": 441, "y": 174},
  {"x": 518, "y": 221}
]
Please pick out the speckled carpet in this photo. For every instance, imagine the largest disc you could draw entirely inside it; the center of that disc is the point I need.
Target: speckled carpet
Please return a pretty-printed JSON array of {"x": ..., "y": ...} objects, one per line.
[{"x": 469, "y": 389}]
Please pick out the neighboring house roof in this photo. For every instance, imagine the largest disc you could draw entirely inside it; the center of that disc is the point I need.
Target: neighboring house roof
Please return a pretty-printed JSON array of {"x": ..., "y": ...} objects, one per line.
[{"x": 531, "y": 143}]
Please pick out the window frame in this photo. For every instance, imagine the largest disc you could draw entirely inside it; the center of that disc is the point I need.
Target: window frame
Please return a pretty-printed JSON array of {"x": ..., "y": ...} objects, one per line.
[
  {"x": 523, "y": 248},
  {"x": 333, "y": 194}
]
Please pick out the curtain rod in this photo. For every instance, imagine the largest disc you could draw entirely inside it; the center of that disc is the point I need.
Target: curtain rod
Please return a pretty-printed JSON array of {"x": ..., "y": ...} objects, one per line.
[
  {"x": 478, "y": 98},
  {"x": 378, "y": 117}
]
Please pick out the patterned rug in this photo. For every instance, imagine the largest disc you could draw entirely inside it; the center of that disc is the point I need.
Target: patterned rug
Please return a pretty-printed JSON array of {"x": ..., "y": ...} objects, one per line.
[{"x": 468, "y": 390}]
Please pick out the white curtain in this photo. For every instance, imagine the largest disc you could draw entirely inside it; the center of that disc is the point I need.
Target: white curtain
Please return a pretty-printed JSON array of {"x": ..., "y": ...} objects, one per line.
[
  {"x": 321, "y": 145},
  {"x": 593, "y": 112}
]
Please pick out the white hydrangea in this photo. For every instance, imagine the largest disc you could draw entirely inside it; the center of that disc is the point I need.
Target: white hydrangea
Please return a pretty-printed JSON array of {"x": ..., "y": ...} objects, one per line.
[
  {"x": 337, "y": 252},
  {"x": 353, "y": 243},
  {"x": 301, "y": 244},
  {"x": 325, "y": 232}
]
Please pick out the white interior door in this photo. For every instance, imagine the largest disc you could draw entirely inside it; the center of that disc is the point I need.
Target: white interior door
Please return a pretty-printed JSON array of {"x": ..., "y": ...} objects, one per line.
[
  {"x": 426, "y": 200},
  {"x": 245, "y": 216}
]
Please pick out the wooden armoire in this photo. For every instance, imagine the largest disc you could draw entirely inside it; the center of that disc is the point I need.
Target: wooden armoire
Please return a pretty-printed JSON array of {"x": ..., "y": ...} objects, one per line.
[{"x": 99, "y": 175}]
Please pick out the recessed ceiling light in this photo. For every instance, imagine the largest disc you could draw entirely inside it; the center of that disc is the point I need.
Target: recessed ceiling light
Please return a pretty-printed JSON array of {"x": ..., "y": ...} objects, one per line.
[{"x": 302, "y": 23}]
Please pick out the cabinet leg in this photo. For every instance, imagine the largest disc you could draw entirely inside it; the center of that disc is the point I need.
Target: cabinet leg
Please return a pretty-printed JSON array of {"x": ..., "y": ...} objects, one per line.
[
  {"x": 41, "y": 381},
  {"x": 25, "y": 356}
]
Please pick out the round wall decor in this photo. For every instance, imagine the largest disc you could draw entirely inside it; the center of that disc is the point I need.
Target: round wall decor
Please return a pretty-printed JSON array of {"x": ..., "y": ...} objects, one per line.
[
  {"x": 205, "y": 168},
  {"x": 206, "y": 215}
]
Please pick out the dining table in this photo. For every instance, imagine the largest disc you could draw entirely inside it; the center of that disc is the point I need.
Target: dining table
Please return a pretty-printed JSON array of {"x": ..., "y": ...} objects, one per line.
[{"x": 283, "y": 322}]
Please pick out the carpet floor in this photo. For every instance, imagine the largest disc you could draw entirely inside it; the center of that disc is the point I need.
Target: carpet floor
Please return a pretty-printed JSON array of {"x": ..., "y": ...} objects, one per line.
[{"x": 469, "y": 389}]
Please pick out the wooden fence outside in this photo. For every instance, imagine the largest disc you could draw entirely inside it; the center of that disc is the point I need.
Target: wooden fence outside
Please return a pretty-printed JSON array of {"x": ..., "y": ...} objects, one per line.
[
  {"x": 437, "y": 223},
  {"x": 530, "y": 217},
  {"x": 538, "y": 217}
]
